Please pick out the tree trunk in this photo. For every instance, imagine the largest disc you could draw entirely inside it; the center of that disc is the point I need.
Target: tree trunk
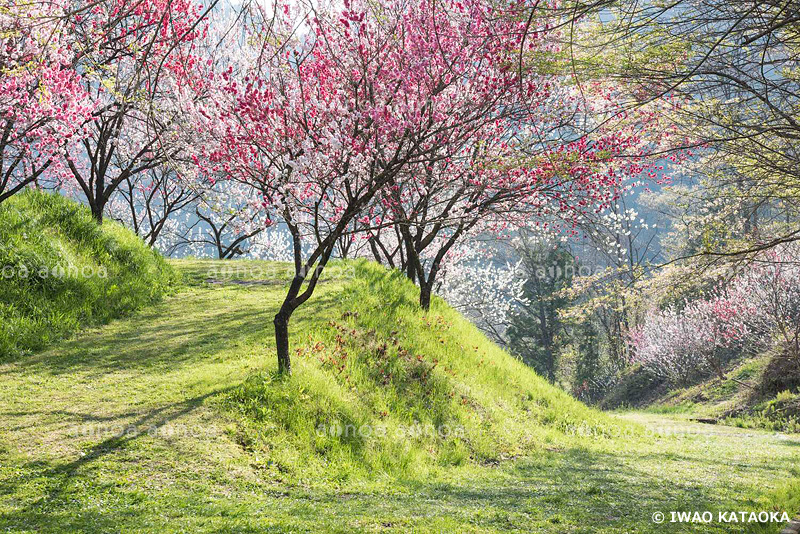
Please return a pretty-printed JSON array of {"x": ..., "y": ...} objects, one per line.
[
  {"x": 97, "y": 210},
  {"x": 412, "y": 255},
  {"x": 98, "y": 203},
  {"x": 550, "y": 363},
  {"x": 411, "y": 272},
  {"x": 425, "y": 296},
  {"x": 281, "y": 323}
]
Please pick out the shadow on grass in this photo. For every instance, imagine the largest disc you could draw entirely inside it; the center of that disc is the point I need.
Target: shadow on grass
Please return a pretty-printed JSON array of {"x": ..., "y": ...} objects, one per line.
[
  {"x": 59, "y": 504},
  {"x": 576, "y": 490},
  {"x": 52, "y": 496},
  {"x": 596, "y": 490},
  {"x": 556, "y": 492},
  {"x": 165, "y": 337}
]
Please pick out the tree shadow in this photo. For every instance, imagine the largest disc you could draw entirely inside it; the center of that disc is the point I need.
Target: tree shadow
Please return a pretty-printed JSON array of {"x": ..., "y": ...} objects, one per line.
[
  {"x": 162, "y": 337},
  {"x": 155, "y": 341},
  {"x": 60, "y": 477},
  {"x": 577, "y": 486}
]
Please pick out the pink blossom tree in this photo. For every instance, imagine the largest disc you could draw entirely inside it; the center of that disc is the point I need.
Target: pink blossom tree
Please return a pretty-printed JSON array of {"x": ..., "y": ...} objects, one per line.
[
  {"x": 756, "y": 309},
  {"x": 334, "y": 111},
  {"x": 508, "y": 179},
  {"x": 766, "y": 299},
  {"x": 43, "y": 105},
  {"x": 680, "y": 344},
  {"x": 133, "y": 54}
]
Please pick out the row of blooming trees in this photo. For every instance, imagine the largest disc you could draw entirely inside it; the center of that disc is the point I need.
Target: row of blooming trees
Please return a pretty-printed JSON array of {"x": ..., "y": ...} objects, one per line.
[
  {"x": 89, "y": 107},
  {"x": 409, "y": 125},
  {"x": 757, "y": 309},
  {"x": 86, "y": 96}
]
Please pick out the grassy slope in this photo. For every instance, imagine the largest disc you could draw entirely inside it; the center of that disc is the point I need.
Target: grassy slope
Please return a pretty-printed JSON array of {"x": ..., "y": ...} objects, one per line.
[
  {"x": 209, "y": 434},
  {"x": 734, "y": 403},
  {"x": 374, "y": 368},
  {"x": 61, "y": 271}
]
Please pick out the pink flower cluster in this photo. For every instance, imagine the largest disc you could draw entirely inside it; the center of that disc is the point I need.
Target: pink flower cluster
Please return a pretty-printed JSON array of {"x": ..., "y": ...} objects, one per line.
[
  {"x": 756, "y": 309},
  {"x": 345, "y": 115},
  {"x": 61, "y": 67}
]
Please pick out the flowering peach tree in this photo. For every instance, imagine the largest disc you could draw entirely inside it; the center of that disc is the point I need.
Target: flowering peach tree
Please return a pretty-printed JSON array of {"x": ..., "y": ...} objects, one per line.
[
  {"x": 43, "y": 105},
  {"x": 757, "y": 309},
  {"x": 341, "y": 106}
]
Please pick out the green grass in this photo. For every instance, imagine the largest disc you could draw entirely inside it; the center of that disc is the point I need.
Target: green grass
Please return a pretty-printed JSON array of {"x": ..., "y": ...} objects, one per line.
[
  {"x": 780, "y": 413},
  {"x": 731, "y": 402},
  {"x": 373, "y": 368},
  {"x": 60, "y": 271},
  {"x": 172, "y": 420}
]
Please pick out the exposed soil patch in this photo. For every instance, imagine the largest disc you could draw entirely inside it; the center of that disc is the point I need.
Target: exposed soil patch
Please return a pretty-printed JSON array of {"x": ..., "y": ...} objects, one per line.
[{"x": 216, "y": 281}]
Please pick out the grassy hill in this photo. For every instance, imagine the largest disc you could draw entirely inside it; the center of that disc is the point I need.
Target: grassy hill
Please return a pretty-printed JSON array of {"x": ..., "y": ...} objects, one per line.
[
  {"x": 374, "y": 368},
  {"x": 752, "y": 398},
  {"x": 61, "y": 271},
  {"x": 173, "y": 420}
]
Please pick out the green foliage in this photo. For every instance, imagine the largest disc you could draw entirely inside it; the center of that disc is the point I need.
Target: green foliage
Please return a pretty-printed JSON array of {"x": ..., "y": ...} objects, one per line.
[
  {"x": 61, "y": 271},
  {"x": 534, "y": 333},
  {"x": 586, "y": 380},
  {"x": 782, "y": 373},
  {"x": 781, "y": 413},
  {"x": 636, "y": 387}
]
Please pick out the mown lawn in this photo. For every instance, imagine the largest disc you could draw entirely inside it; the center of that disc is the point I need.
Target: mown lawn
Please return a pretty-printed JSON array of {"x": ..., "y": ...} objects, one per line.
[{"x": 124, "y": 429}]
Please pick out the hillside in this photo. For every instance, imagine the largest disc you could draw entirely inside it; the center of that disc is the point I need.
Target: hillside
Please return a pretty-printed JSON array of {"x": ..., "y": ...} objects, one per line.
[
  {"x": 61, "y": 271},
  {"x": 173, "y": 420},
  {"x": 754, "y": 396},
  {"x": 373, "y": 367}
]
